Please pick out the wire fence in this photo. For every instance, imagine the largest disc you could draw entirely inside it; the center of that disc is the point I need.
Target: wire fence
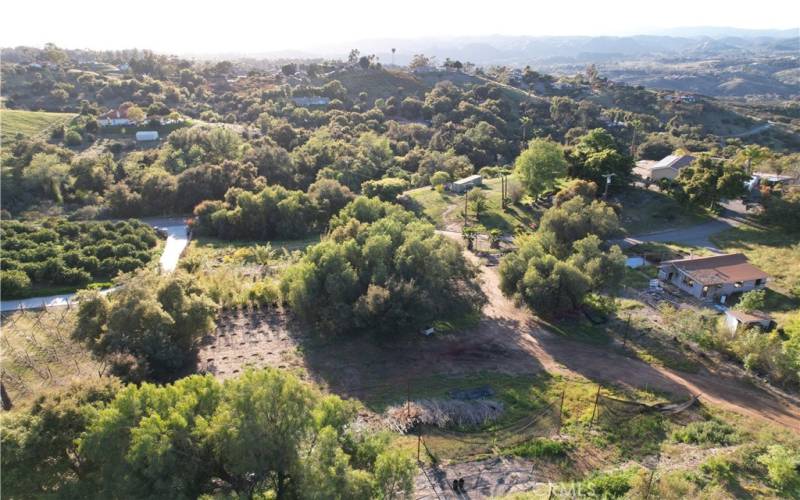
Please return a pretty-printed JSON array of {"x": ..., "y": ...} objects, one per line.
[
  {"x": 37, "y": 351},
  {"x": 546, "y": 421}
]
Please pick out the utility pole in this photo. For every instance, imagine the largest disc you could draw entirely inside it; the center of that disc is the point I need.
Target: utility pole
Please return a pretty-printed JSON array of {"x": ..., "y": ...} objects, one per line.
[{"x": 465, "y": 209}]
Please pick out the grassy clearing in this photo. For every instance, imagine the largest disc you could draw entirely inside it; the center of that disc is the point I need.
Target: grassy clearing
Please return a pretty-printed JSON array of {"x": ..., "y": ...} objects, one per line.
[
  {"x": 238, "y": 273},
  {"x": 205, "y": 244},
  {"x": 38, "y": 354},
  {"x": 645, "y": 211},
  {"x": 29, "y": 123},
  {"x": 445, "y": 209},
  {"x": 778, "y": 254}
]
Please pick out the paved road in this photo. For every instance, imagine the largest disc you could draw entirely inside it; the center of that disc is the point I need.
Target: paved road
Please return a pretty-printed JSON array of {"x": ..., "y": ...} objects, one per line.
[
  {"x": 177, "y": 239},
  {"x": 699, "y": 235}
]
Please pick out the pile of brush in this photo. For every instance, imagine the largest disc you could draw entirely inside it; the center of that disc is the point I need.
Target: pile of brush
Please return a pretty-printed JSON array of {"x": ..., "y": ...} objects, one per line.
[{"x": 443, "y": 413}]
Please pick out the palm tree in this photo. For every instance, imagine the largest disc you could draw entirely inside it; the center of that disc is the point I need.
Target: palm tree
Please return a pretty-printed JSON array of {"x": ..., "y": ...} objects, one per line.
[
  {"x": 494, "y": 237},
  {"x": 754, "y": 154},
  {"x": 470, "y": 234}
]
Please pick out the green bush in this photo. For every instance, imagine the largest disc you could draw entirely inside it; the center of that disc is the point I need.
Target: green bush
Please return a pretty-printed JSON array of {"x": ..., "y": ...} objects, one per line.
[
  {"x": 73, "y": 138},
  {"x": 718, "y": 468},
  {"x": 608, "y": 485},
  {"x": 14, "y": 283},
  {"x": 782, "y": 468},
  {"x": 707, "y": 432}
]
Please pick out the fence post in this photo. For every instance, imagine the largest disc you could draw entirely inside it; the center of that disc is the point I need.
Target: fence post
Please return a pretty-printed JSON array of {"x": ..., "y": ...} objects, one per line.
[
  {"x": 594, "y": 409},
  {"x": 650, "y": 483},
  {"x": 561, "y": 410}
]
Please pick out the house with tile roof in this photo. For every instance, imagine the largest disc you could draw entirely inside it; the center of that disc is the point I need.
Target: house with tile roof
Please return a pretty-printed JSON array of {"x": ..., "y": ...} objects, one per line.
[{"x": 713, "y": 278}]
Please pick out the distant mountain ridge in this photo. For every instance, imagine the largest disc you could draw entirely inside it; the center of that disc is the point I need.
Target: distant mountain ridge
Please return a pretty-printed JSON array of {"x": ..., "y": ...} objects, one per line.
[{"x": 524, "y": 50}]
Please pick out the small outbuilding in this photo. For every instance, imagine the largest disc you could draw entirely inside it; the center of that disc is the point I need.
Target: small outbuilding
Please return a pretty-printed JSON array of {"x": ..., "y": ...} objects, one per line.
[
  {"x": 465, "y": 184},
  {"x": 146, "y": 135},
  {"x": 740, "y": 319}
]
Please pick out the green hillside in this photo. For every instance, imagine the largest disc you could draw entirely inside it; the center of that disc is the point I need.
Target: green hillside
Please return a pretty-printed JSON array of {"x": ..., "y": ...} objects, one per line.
[{"x": 29, "y": 123}]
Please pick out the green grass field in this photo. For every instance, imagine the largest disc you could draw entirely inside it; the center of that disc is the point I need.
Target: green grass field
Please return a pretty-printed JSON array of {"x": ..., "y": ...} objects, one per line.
[
  {"x": 29, "y": 123},
  {"x": 446, "y": 209},
  {"x": 645, "y": 211}
]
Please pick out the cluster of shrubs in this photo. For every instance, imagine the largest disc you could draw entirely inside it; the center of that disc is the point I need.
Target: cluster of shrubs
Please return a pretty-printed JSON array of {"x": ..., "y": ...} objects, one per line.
[{"x": 58, "y": 252}]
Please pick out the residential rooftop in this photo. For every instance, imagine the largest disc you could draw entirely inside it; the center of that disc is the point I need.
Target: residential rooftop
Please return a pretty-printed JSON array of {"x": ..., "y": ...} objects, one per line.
[{"x": 718, "y": 269}]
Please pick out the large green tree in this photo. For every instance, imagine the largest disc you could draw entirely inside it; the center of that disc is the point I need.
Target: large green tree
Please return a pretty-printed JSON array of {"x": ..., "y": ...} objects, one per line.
[
  {"x": 380, "y": 269},
  {"x": 149, "y": 328},
  {"x": 540, "y": 165},
  {"x": 705, "y": 182},
  {"x": 597, "y": 154}
]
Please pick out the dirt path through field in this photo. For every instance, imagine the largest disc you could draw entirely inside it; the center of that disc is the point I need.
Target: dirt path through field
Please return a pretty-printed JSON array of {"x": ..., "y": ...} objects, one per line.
[{"x": 558, "y": 354}]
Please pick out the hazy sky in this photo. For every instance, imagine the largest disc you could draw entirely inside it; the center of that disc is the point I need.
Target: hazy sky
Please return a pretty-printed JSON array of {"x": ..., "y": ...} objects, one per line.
[{"x": 203, "y": 26}]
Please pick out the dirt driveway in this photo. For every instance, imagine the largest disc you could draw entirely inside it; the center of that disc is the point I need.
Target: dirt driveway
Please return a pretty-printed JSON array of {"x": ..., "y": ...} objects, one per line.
[{"x": 561, "y": 355}]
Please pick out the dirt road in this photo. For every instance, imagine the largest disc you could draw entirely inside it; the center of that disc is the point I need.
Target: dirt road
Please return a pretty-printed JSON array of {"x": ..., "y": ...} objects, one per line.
[{"x": 507, "y": 323}]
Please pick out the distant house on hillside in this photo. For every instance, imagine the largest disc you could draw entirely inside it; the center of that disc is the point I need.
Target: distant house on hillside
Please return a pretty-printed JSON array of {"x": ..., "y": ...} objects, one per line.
[
  {"x": 465, "y": 184},
  {"x": 114, "y": 118},
  {"x": 667, "y": 168},
  {"x": 713, "y": 278},
  {"x": 311, "y": 101},
  {"x": 425, "y": 69},
  {"x": 687, "y": 98}
]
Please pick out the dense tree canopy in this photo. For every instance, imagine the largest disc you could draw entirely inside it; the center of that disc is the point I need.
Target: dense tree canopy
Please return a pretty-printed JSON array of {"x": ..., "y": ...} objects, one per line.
[
  {"x": 380, "y": 269},
  {"x": 553, "y": 270},
  {"x": 596, "y": 154},
  {"x": 705, "y": 182},
  {"x": 263, "y": 434},
  {"x": 70, "y": 254},
  {"x": 149, "y": 328}
]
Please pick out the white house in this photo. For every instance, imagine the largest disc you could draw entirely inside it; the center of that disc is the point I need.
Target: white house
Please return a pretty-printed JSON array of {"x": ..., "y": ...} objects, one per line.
[
  {"x": 114, "y": 118},
  {"x": 713, "y": 278}
]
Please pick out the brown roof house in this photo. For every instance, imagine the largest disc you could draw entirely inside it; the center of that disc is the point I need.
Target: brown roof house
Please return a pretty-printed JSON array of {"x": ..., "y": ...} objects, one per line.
[{"x": 713, "y": 278}]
